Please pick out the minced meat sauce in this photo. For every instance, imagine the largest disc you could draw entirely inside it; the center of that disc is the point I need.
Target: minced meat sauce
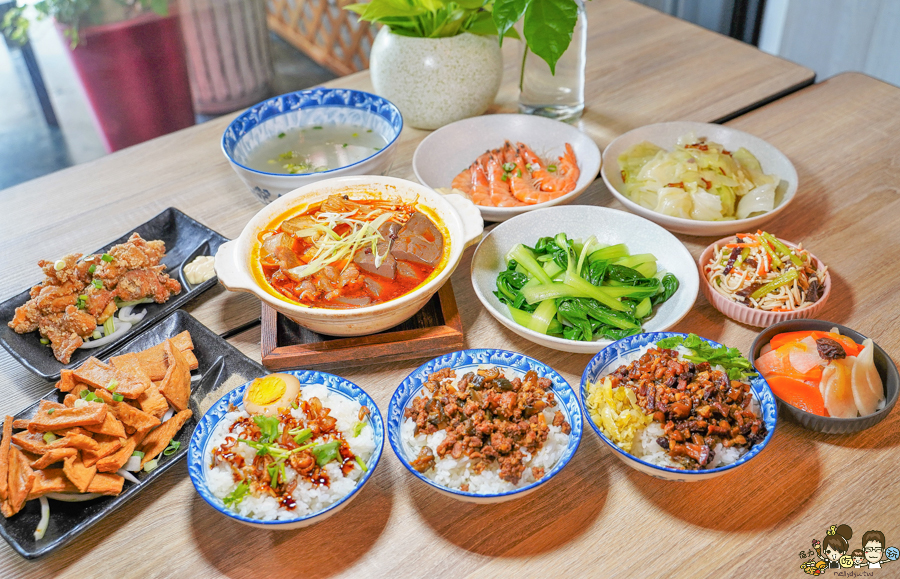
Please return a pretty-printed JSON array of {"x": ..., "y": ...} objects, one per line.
[
  {"x": 487, "y": 418},
  {"x": 697, "y": 406}
]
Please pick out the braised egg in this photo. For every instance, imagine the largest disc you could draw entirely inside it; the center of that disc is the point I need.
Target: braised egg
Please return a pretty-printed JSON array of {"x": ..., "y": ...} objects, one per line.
[{"x": 267, "y": 394}]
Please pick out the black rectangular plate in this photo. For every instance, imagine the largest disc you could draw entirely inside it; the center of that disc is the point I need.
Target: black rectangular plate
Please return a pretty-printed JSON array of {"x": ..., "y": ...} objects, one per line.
[
  {"x": 185, "y": 239},
  {"x": 218, "y": 362}
]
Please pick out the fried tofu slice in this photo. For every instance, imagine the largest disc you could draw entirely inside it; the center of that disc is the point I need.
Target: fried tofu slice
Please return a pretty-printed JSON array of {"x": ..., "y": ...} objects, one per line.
[
  {"x": 50, "y": 480},
  {"x": 137, "y": 419},
  {"x": 33, "y": 442},
  {"x": 5, "y": 442},
  {"x": 106, "y": 484},
  {"x": 111, "y": 427},
  {"x": 152, "y": 402},
  {"x": 108, "y": 445},
  {"x": 176, "y": 385},
  {"x": 78, "y": 473},
  {"x": 66, "y": 380},
  {"x": 159, "y": 439},
  {"x": 153, "y": 360},
  {"x": 117, "y": 460},
  {"x": 52, "y": 456},
  {"x": 58, "y": 418},
  {"x": 131, "y": 379},
  {"x": 69, "y": 400},
  {"x": 5, "y": 509},
  {"x": 43, "y": 406},
  {"x": 95, "y": 373},
  {"x": 21, "y": 478}
]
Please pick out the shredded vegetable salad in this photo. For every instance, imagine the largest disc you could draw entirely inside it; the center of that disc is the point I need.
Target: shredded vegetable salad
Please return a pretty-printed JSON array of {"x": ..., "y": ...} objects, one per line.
[
  {"x": 762, "y": 272},
  {"x": 698, "y": 179}
]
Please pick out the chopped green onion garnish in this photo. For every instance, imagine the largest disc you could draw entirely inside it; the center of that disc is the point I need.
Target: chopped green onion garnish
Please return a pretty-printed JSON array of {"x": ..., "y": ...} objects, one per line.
[
  {"x": 302, "y": 436},
  {"x": 150, "y": 465},
  {"x": 281, "y": 135},
  {"x": 118, "y": 397},
  {"x": 107, "y": 257},
  {"x": 45, "y": 341},
  {"x": 552, "y": 168},
  {"x": 113, "y": 384},
  {"x": 96, "y": 335},
  {"x": 369, "y": 130},
  {"x": 59, "y": 265},
  {"x": 51, "y": 411},
  {"x": 173, "y": 447},
  {"x": 49, "y": 436},
  {"x": 92, "y": 269},
  {"x": 138, "y": 454},
  {"x": 509, "y": 167},
  {"x": 109, "y": 326},
  {"x": 97, "y": 283},
  {"x": 317, "y": 128},
  {"x": 295, "y": 405},
  {"x": 344, "y": 145},
  {"x": 237, "y": 495},
  {"x": 355, "y": 135},
  {"x": 377, "y": 148},
  {"x": 89, "y": 396},
  {"x": 358, "y": 428},
  {"x": 504, "y": 177},
  {"x": 362, "y": 465},
  {"x": 518, "y": 173}
]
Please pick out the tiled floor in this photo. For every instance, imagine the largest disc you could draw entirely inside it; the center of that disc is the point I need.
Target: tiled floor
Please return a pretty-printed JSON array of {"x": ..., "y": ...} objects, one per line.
[{"x": 29, "y": 148}]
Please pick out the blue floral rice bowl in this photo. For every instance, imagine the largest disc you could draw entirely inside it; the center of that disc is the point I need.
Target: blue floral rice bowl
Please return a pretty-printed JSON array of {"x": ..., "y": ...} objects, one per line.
[
  {"x": 459, "y": 477},
  {"x": 312, "y": 108},
  {"x": 626, "y": 350},
  {"x": 307, "y": 501}
]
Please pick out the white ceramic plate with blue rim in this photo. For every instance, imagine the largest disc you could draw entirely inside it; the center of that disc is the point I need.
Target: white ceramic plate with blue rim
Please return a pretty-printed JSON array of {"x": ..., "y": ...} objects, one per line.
[
  {"x": 513, "y": 365},
  {"x": 316, "y": 107},
  {"x": 200, "y": 448},
  {"x": 616, "y": 354}
]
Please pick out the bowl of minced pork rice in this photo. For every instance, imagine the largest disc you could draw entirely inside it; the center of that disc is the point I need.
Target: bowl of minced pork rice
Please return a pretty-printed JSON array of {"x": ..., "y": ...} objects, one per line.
[
  {"x": 484, "y": 425},
  {"x": 677, "y": 406},
  {"x": 286, "y": 450}
]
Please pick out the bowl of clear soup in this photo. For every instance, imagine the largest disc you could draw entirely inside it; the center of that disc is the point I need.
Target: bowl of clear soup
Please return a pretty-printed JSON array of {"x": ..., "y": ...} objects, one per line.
[{"x": 302, "y": 137}]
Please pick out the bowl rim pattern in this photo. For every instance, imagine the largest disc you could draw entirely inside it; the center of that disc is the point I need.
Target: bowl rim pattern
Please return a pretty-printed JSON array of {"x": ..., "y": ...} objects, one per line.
[
  {"x": 625, "y": 346},
  {"x": 212, "y": 417},
  {"x": 412, "y": 384},
  {"x": 308, "y": 99}
]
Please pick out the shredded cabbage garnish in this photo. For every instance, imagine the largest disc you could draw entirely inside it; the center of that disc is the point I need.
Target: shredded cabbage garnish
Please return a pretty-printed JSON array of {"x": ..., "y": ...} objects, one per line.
[{"x": 698, "y": 180}]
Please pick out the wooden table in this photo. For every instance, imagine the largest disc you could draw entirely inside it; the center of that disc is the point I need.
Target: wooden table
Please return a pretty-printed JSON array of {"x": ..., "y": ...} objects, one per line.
[{"x": 598, "y": 517}]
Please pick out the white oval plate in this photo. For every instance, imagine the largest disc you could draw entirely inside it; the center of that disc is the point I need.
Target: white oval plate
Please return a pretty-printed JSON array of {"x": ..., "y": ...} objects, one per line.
[
  {"x": 666, "y": 135},
  {"x": 609, "y": 226},
  {"x": 444, "y": 153}
]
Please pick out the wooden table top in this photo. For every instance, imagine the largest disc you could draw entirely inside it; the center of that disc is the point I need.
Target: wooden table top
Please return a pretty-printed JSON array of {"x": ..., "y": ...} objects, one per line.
[{"x": 841, "y": 136}]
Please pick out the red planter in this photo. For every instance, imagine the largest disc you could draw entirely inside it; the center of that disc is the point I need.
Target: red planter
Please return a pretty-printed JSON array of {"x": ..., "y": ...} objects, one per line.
[{"x": 136, "y": 79}]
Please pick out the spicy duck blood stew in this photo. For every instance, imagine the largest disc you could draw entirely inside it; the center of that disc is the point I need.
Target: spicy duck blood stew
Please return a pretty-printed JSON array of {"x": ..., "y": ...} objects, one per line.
[{"x": 348, "y": 253}]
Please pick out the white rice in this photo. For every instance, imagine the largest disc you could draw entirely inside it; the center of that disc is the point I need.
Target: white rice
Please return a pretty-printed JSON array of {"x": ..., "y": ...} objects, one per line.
[
  {"x": 310, "y": 498},
  {"x": 452, "y": 473},
  {"x": 645, "y": 447}
]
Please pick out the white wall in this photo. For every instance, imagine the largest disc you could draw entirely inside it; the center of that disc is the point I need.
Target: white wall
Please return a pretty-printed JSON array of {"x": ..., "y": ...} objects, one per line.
[{"x": 834, "y": 36}]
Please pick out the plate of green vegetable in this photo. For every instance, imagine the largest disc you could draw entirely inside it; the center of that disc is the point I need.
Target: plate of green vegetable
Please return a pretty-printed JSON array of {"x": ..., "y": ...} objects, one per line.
[{"x": 577, "y": 278}]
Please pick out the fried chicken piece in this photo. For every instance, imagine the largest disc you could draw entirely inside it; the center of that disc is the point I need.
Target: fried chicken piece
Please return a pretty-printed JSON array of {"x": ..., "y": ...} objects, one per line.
[
  {"x": 68, "y": 273},
  {"x": 143, "y": 283}
]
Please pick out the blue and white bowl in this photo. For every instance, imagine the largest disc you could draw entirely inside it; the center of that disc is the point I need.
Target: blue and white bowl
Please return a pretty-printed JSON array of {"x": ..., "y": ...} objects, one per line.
[
  {"x": 309, "y": 108},
  {"x": 513, "y": 365},
  {"x": 616, "y": 354},
  {"x": 200, "y": 450}
]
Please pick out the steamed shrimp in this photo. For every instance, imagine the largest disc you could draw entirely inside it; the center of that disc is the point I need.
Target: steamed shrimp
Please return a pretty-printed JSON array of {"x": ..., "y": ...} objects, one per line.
[{"x": 563, "y": 179}]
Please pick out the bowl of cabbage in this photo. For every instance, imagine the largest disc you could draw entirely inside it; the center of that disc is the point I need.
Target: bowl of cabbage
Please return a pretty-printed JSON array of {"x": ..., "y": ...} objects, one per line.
[{"x": 699, "y": 178}]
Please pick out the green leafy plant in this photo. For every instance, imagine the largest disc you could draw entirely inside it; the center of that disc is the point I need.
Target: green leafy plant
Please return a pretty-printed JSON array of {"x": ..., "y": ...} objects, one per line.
[
  {"x": 74, "y": 13},
  {"x": 430, "y": 18},
  {"x": 546, "y": 24}
]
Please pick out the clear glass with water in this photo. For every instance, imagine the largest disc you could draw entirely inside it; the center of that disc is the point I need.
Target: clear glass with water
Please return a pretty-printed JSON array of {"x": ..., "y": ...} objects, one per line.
[{"x": 559, "y": 96}]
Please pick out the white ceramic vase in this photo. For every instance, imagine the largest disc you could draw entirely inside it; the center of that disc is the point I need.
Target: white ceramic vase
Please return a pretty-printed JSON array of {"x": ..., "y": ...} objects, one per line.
[{"x": 436, "y": 81}]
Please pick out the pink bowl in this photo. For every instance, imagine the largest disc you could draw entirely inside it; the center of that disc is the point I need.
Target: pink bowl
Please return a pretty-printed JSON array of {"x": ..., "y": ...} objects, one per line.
[{"x": 752, "y": 316}]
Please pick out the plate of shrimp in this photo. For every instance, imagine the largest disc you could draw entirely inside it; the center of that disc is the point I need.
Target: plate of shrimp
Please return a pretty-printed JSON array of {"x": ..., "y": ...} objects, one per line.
[{"x": 508, "y": 164}]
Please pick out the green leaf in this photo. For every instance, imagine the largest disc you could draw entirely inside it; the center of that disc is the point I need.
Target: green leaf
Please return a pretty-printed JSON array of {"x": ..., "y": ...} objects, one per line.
[
  {"x": 268, "y": 426},
  {"x": 548, "y": 27},
  {"x": 506, "y": 13},
  {"x": 379, "y": 10},
  {"x": 326, "y": 452},
  {"x": 237, "y": 495}
]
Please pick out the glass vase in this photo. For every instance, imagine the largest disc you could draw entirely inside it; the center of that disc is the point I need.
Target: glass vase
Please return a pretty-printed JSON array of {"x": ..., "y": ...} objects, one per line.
[{"x": 559, "y": 96}]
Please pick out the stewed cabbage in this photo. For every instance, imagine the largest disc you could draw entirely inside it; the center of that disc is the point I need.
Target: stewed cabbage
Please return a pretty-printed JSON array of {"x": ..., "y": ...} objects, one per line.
[{"x": 698, "y": 179}]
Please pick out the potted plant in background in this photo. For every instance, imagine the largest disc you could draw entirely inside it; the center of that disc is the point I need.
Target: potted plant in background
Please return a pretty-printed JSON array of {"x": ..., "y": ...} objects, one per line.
[
  {"x": 130, "y": 59},
  {"x": 437, "y": 60}
]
